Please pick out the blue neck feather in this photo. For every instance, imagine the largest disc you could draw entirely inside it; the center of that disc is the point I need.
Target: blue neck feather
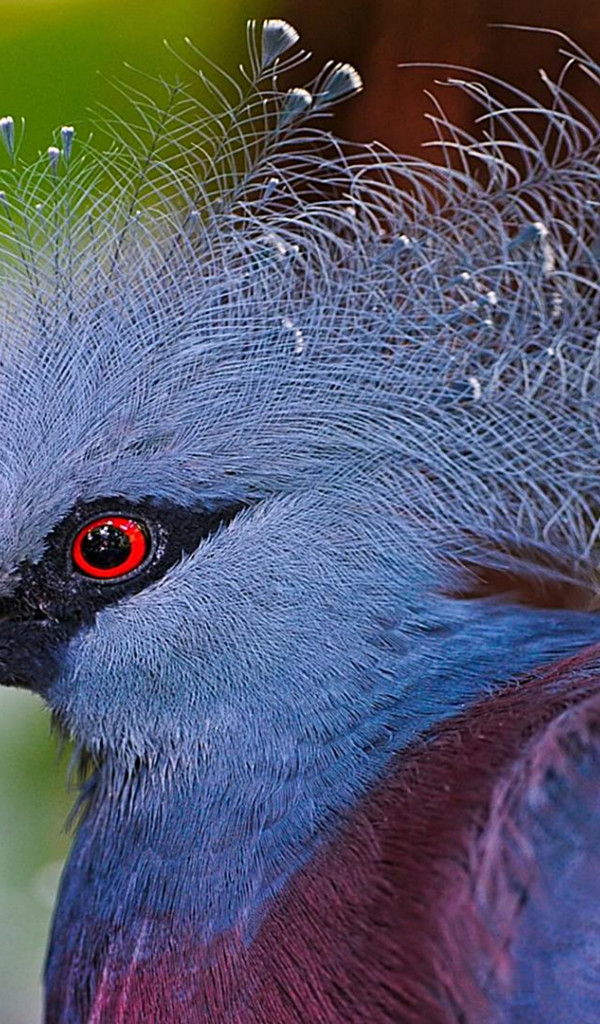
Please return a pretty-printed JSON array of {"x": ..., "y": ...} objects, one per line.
[{"x": 207, "y": 851}]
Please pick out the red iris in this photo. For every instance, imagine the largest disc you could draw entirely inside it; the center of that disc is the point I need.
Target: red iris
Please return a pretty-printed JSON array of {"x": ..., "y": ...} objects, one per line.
[{"x": 110, "y": 547}]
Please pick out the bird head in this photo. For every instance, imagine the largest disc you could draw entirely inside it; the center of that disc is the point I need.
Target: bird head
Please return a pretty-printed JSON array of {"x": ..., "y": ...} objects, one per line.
[
  {"x": 265, "y": 404},
  {"x": 197, "y": 440}
]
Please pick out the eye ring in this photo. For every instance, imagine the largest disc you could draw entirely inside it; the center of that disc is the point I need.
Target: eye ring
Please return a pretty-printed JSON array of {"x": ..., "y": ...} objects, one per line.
[{"x": 111, "y": 547}]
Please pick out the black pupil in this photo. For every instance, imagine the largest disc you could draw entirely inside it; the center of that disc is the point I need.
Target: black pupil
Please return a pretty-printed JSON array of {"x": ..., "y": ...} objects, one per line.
[{"x": 105, "y": 547}]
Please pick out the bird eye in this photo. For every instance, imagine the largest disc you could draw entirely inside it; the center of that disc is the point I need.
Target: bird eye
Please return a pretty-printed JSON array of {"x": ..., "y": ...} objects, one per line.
[{"x": 111, "y": 547}]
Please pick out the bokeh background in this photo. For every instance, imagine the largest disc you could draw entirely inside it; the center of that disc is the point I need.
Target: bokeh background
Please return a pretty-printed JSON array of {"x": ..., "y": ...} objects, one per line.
[{"x": 58, "y": 59}]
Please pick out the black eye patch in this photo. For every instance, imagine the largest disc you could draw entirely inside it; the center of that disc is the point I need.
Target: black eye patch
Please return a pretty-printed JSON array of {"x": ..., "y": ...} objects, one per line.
[{"x": 102, "y": 551}]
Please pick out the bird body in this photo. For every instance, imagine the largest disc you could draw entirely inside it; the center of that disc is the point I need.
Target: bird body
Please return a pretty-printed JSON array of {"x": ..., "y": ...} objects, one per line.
[
  {"x": 298, "y": 539},
  {"x": 453, "y": 887}
]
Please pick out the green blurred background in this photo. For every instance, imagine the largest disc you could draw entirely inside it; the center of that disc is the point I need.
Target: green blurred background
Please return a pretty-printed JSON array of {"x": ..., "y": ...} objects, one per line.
[{"x": 57, "y": 59}]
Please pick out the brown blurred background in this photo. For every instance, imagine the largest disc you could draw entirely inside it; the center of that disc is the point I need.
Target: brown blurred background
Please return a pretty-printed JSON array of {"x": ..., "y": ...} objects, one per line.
[{"x": 378, "y": 35}]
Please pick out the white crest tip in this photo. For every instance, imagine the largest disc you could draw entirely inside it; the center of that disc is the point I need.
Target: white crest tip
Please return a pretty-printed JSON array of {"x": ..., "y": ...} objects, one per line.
[
  {"x": 53, "y": 156},
  {"x": 296, "y": 103},
  {"x": 66, "y": 134},
  {"x": 7, "y": 130},
  {"x": 278, "y": 36},
  {"x": 342, "y": 81}
]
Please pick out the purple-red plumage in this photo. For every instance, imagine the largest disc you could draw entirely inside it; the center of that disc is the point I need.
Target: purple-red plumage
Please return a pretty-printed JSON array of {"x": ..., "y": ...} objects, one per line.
[{"x": 448, "y": 895}]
